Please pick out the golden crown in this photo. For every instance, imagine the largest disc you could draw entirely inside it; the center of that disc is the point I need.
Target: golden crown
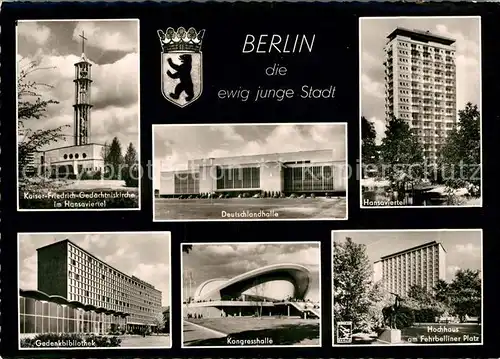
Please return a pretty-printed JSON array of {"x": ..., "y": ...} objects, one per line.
[{"x": 181, "y": 40}]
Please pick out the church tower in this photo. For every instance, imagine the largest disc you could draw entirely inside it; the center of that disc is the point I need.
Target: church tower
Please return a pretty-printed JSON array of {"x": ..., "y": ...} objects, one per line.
[{"x": 82, "y": 106}]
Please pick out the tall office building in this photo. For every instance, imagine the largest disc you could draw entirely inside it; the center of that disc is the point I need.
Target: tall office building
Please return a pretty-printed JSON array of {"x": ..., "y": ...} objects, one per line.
[
  {"x": 422, "y": 265},
  {"x": 420, "y": 85},
  {"x": 69, "y": 275}
]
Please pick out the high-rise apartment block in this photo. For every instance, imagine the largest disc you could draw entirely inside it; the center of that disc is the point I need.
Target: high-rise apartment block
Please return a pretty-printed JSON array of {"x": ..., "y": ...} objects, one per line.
[
  {"x": 423, "y": 265},
  {"x": 420, "y": 85},
  {"x": 68, "y": 271}
]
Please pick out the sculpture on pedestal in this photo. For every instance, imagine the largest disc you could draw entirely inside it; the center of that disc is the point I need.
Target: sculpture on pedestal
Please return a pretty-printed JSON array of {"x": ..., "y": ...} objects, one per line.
[{"x": 390, "y": 313}]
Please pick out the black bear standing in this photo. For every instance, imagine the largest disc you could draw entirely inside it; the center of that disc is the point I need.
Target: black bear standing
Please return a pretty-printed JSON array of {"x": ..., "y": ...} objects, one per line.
[{"x": 184, "y": 75}]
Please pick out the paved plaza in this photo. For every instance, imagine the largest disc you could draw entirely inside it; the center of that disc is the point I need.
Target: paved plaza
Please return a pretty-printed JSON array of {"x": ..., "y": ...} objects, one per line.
[{"x": 149, "y": 341}]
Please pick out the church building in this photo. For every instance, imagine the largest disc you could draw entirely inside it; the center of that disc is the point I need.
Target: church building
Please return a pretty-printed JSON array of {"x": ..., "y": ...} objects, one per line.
[{"x": 83, "y": 155}]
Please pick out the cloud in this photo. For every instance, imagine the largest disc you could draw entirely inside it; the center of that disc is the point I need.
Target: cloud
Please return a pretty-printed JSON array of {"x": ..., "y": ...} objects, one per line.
[
  {"x": 114, "y": 97},
  {"x": 105, "y": 37},
  {"x": 306, "y": 257},
  {"x": 227, "y": 260},
  {"x": 28, "y": 270},
  {"x": 380, "y": 126},
  {"x": 468, "y": 249},
  {"x": 372, "y": 88},
  {"x": 451, "y": 270},
  {"x": 33, "y": 31},
  {"x": 220, "y": 250}
]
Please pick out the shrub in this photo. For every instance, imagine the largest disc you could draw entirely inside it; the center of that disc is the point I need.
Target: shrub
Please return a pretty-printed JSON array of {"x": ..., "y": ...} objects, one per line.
[
  {"x": 313, "y": 195},
  {"x": 427, "y": 315},
  {"x": 131, "y": 176},
  {"x": 97, "y": 340},
  {"x": 405, "y": 318}
]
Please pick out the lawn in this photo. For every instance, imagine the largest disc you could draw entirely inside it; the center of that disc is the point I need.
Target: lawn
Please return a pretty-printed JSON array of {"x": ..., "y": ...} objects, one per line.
[
  {"x": 282, "y": 331},
  {"x": 272, "y": 208}
]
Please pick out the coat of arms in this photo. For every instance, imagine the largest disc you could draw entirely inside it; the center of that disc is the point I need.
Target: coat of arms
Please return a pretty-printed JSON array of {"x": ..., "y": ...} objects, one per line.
[{"x": 181, "y": 65}]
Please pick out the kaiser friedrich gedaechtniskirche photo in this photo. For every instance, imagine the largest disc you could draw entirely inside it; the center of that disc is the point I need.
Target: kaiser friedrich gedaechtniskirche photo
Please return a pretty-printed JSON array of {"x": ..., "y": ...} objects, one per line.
[{"x": 78, "y": 114}]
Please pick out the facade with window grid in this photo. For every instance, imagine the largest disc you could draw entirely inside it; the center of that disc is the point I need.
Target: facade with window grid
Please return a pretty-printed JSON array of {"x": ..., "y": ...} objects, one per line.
[
  {"x": 422, "y": 265},
  {"x": 292, "y": 172},
  {"x": 420, "y": 85},
  {"x": 68, "y": 271}
]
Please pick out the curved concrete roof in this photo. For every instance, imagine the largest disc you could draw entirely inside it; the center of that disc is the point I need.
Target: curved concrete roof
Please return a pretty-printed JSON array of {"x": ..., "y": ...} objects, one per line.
[{"x": 296, "y": 274}]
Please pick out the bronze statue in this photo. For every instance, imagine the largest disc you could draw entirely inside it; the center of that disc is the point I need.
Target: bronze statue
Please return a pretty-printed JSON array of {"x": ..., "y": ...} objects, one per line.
[{"x": 390, "y": 313}]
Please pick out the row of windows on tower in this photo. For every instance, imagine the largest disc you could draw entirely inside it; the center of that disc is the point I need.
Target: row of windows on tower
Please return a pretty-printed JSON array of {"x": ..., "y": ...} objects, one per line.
[
  {"x": 85, "y": 280},
  {"x": 93, "y": 294},
  {"x": 76, "y": 156},
  {"x": 86, "y": 294},
  {"x": 424, "y": 48},
  {"x": 104, "y": 268},
  {"x": 426, "y": 55}
]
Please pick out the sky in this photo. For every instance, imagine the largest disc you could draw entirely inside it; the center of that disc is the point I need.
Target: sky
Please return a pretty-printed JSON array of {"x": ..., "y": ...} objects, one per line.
[
  {"x": 174, "y": 145},
  {"x": 210, "y": 261},
  {"x": 373, "y": 33},
  {"x": 113, "y": 49},
  {"x": 144, "y": 255},
  {"x": 463, "y": 248}
]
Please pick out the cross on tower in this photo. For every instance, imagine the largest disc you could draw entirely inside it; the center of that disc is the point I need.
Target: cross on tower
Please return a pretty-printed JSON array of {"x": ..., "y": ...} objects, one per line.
[{"x": 83, "y": 41}]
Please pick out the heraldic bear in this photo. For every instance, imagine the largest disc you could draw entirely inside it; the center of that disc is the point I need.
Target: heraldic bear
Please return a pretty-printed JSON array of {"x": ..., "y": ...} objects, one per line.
[{"x": 184, "y": 75}]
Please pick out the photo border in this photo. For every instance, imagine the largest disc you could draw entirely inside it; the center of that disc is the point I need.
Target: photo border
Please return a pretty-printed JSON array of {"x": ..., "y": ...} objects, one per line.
[
  {"x": 320, "y": 290},
  {"x": 480, "y": 230},
  {"x": 348, "y": 172},
  {"x": 138, "y": 149},
  {"x": 481, "y": 145},
  {"x": 92, "y": 348}
]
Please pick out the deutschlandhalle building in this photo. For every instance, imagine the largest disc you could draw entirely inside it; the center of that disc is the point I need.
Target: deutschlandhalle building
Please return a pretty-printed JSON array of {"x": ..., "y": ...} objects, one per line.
[{"x": 319, "y": 172}]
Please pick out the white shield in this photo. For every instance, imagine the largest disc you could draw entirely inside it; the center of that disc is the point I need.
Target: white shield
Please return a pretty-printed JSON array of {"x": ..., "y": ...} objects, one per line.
[{"x": 182, "y": 76}]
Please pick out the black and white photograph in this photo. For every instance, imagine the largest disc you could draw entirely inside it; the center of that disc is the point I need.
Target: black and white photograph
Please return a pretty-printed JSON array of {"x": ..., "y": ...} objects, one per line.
[
  {"x": 407, "y": 287},
  {"x": 251, "y": 294},
  {"x": 78, "y": 114},
  {"x": 291, "y": 171},
  {"x": 94, "y": 290},
  {"x": 420, "y": 106}
]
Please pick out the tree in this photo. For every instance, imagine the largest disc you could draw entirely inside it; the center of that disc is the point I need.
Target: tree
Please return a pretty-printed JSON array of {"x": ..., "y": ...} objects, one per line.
[
  {"x": 460, "y": 157},
  {"x": 401, "y": 153},
  {"x": 351, "y": 283},
  {"x": 130, "y": 158},
  {"x": 420, "y": 295},
  {"x": 130, "y": 171},
  {"x": 442, "y": 292},
  {"x": 186, "y": 248},
  {"x": 159, "y": 322},
  {"x": 369, "y": 149},
  {"x": 465, "y": 293},
  {"x": 379, "y": 299},
  {"x": 113, "y": 159},
  {"x": 32, "y": 106},
  {"x": 166, "y": 320}
]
